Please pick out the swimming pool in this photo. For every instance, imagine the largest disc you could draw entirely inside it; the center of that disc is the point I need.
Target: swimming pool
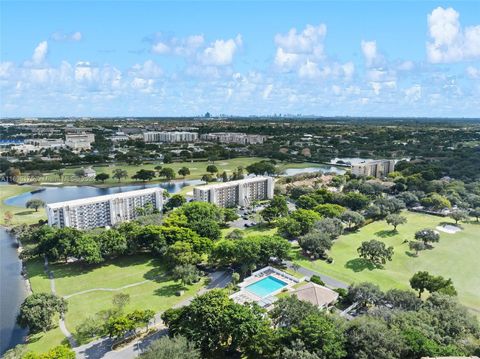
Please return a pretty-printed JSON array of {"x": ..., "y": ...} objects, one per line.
[{"x": 265, "y": 286}]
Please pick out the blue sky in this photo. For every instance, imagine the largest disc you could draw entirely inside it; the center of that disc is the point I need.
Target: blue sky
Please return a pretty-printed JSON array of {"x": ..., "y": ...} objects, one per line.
[{"x": 156, "y": 58}]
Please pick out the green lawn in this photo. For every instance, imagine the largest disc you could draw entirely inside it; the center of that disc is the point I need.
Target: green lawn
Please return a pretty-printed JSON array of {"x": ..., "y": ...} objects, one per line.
[
  {"x": 260, "y": 229},
  {"x": 455, "y": 256},
  {"x": 155, "y": 289},
  {"x": 20, "y": 214}
]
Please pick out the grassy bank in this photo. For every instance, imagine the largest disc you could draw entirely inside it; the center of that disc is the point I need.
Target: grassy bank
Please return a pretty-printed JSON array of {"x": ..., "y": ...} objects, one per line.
[
  {"x": 90, "y": 289},
  {"x": 455, "y": 256},
  {"x": 21, "y": 215}
]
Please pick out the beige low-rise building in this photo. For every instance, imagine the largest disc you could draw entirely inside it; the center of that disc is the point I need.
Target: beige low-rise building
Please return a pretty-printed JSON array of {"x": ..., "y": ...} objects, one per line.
[
  {"x": 318, "y": 295},
  {"x": 377, "y": 168}
]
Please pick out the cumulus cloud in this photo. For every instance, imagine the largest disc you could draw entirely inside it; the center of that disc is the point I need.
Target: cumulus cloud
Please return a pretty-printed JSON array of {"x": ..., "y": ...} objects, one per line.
[
  {"x": 267, "y": 91},
  {"x": 371, "y": 54},
  {"x": 413, "y": 93},
  {"x": 187, "y": 46},
  {"x": 61, "y": 36},
  {"x": 220, "y": 52},
  {"x": 40, "y": 52},
  {"x": 449, "y": 41},
  {"x": 298, "y": 48},
  {"x": 473, "y": 72},
  {"x": 148, "y": 70}
]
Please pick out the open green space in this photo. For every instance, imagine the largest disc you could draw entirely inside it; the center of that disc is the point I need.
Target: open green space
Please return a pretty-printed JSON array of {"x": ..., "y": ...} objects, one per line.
[
  {"x": 455, "y": 257},
  {"x": 149, "y": 287},
  {"x": 21, "y": 215}
]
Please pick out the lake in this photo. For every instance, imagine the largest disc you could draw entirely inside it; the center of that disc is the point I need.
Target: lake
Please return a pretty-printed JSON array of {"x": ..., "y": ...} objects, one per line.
[
  {"x": 13, "y": 291},
  {"x": 67, "y": 193}
]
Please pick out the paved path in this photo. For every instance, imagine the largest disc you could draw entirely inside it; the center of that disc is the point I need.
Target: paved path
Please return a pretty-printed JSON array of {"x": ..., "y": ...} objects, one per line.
[
  {"x": 61, "y": 321},
  {"x": 331, "y": 282},
  {"x": 102, "y": 348}
]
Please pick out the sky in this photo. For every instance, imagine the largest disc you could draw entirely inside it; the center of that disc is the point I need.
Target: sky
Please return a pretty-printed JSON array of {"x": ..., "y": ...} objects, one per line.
[{"x": 158, "y": 58}]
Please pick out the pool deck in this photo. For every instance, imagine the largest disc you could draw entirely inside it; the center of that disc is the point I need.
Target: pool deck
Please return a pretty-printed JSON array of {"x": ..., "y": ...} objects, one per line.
[{"x": 245, "y": 296}]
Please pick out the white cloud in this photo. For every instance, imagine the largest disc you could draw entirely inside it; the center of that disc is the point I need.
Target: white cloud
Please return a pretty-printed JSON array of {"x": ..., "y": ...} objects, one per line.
[
  {"x": 309, "y": 70},
  {"x": 406, "y": 66},
  {"x": 348, "y": 69},
  {"x": 309, "y": 41},
  {"x": 473, "y": 72},
  {"x": 267, "y": 91},
  {"x": 449, "y": 41},
  {"x": 61, "y": 36},
  {"x": 40, "y": 52},
  {"x": 221, "y": 52},
  {"x": 370, "y": 53},
  {"x": 149, "y": 69},
  {"x": 187, "y": 46},
  {"x": 413, "y": 93}
]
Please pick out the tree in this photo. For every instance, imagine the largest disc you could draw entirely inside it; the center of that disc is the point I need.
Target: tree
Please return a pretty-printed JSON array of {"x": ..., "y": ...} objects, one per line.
[
  {"x": 119, "y": 173},
  {"x": 459, "y": 215},
  {"x": 12, "y": 174},
  {"x": 262, "y": 167},
  {"x": 35, "y": 203},
  {"x": 365, "y": 294},
  {"x": 229, "y": 215},
  {"x": 118, "y": 326},
  {"x": 224, "y": 176},
  {"x": 289, "y": 311},
  {"x": 423, "y": 280},
  {"x": 368, "y": 337},
  {"x": 167, "y": 172},
  {"x": 401, "y": 299},
  {"x": 333, "y": 227},
  {"x": 112, "y": 243},
  {"x": 475, "y": 213},
  {"x": 181, "y": 253},
  {"x": 102, "y": 177},
  {"x": 330, "y": 210},
  {"x": 37, "y": 311},
  {"x": 395, "y": 220},
  {"x": 58, "y": 352},
  {"x": 187, "y": 274},
  {"x": 177, "y": 347},
  {"x": 80, "y": 172},
  {"x": 230, "y": 327},
  {"x": 352, "y": 219},
  {"x": 298, "y": 223},
  {"x": 184, "y": 171},
  {"x": 315, "y": 244},
  {"x": 212, "y": 169},
  {"x": 416, "y": 246},
  {"x": 208, "y": 178},
  {"x": 322, "y": 335},
  {"x": 355, "y": 201},
  {"x": 145, "y": 175},
  {"x": 427, "y": 236},
  {"x": 276, "y": 208},
  {"x": 177, "y": 200},
  {"x": 436, "y": 202},
  {"x": 375, "y": 251}
]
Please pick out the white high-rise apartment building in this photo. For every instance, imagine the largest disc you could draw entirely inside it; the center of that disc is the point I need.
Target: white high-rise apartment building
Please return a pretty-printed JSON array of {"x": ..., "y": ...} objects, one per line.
[
  {"x": 170, "y": 137},
  {"x": 102, "y": 211},
  {"x": 236, "y": 193},
  {"x": 378, "y": 169},
  {"x": 233, "y": 137}
]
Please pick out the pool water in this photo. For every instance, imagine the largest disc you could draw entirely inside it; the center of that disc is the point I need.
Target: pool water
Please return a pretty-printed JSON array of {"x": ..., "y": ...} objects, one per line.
[{"x": 265, "y": 286}]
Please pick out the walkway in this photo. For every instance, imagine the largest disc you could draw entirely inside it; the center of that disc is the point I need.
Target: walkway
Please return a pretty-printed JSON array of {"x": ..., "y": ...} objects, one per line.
[
  {"x": 329, "y": 281},
  {"x": 61, "y": 321},
  {"x": 102, "y": 348}
]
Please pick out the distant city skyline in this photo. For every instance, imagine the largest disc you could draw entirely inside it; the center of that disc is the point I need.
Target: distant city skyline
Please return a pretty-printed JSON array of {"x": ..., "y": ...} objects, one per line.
[{"x": 156, "y": 58}]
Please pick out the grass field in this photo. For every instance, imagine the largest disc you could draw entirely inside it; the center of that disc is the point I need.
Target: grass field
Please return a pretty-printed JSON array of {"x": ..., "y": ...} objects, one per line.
[
  {"x": 150, "y": 288},
  {"x": 20, "y": 215},
  {"x": 455, "y": 256}
]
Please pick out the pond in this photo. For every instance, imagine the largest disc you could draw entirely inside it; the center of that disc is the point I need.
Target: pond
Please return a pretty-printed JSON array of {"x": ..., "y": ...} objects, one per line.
[{"x": 67, "y": 193}]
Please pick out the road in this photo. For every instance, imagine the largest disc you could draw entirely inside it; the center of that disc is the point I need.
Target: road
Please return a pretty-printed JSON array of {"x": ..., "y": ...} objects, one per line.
[
  {"x": 329, "y": 281},
  {"x": 102, "y": 348}
]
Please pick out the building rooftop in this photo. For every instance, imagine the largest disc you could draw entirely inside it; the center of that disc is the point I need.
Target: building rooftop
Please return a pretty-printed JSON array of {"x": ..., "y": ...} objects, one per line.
[
  {"x": 89, "y": 200},
  {"x": 316, "y": 294}
]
